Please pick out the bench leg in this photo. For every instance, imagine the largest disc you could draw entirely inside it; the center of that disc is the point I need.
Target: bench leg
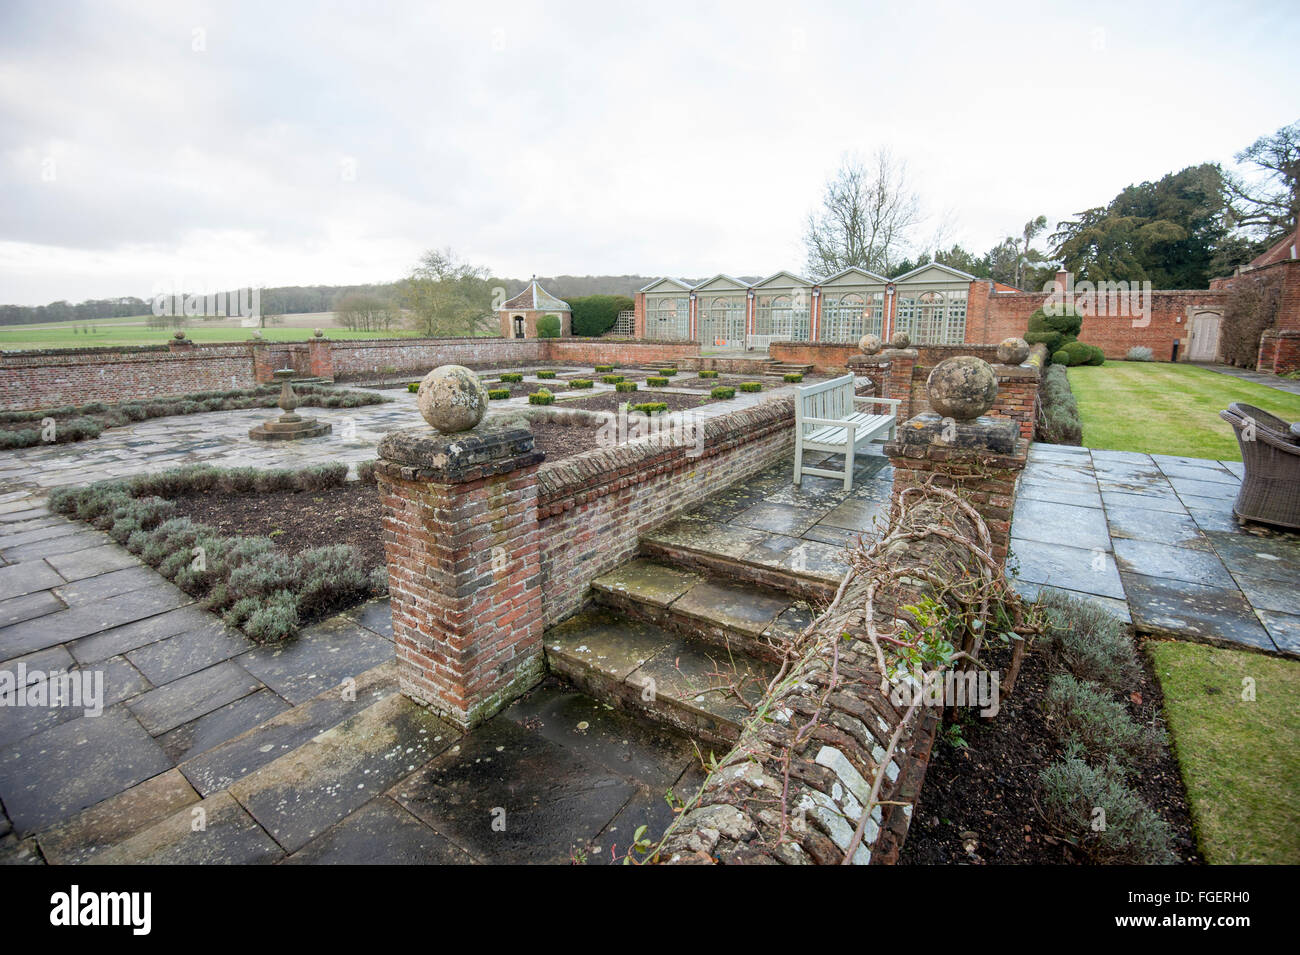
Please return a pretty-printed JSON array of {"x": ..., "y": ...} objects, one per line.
[
  {"x": 850, "y": 458},
  {"x": 798, "y": 463}
]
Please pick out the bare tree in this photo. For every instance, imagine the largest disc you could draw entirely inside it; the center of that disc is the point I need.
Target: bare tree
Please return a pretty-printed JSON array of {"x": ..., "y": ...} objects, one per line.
[
  {"x": 868, "y": 214},
  {"x": 1268, "y": 206},
  {"x": 446, "y": 297}
]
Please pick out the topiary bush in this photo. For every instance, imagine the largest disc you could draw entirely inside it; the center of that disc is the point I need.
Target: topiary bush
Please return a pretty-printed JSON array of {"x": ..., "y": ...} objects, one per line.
[
  {"x": 722, "y": 392},
  {"x": 667, "y": 372},
  {"x": 793, "y": 377},
  {"x": 542, "y": 397},
  {"x": 751, "y": 386},
  {"x": 604, "y": 369},
  {"x": 549, "y": 326},
  {"x": 546, "y": 374},
  {"x": 512, "y": 376},
  {"x": 625, "y": 386},
  {"x": 580, "y": 383},
  {"x": 656, "y": 382},
  {"x": 413, "y": 387},
  {"x": 1054, "y": 331},
  {"x": 708, "y": 374},
  {"x": 497, "y": 394},
  {"x": 650, "y": 407},
  {"x": 611, "y": 379}
]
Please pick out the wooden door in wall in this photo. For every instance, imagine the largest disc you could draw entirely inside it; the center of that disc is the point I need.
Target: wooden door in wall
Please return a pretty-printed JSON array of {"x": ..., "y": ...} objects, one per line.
[{"x": 1204, "y": 342}]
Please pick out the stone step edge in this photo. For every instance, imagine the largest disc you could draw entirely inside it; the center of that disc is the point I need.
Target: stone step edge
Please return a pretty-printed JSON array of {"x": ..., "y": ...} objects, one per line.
[
  {"x": 717, "y": 635},
  {"x": 711, "y": 729},
  {"x": 809, "y": 587}
]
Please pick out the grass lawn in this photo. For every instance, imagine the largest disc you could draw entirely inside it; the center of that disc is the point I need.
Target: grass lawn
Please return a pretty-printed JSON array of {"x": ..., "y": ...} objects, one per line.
[
  {"x": 134, "y": 331},
  {"x": 1163, "y": 408},
  {"x": 1240, "y": 760}
]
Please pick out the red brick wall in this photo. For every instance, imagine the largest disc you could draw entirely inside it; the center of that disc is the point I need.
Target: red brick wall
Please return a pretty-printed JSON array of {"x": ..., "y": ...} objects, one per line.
[
  {"x": 593, "y": 507},
  {"x": 600, "y": 351},
  {"x": 48, "y": 379}
]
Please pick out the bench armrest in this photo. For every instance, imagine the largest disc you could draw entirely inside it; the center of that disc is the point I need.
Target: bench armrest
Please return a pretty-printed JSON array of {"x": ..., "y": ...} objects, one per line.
[{"x": 892, "y": 402}]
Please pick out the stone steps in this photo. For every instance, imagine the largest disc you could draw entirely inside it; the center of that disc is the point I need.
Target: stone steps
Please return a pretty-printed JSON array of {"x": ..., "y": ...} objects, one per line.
[
  {"x": 675, "y": 679},
  {"x": 726, "y": 614}
]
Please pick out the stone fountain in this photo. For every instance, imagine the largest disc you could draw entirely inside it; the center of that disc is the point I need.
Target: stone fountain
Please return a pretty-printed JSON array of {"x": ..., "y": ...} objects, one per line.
[{"x": 289, "y": 426}]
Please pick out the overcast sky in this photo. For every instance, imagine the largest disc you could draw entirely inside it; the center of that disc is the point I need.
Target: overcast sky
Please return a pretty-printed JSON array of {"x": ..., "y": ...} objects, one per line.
[{"x": 152, "y": 145}]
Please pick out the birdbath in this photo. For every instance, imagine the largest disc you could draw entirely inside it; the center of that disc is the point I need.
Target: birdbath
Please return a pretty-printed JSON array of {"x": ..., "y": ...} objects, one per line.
[{"x": 290, "y": 426}]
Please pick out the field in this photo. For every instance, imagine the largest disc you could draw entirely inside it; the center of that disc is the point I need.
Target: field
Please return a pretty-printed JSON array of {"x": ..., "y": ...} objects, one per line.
[
  {"x": 1234, "y": 724},
  {"x": 134, "y": 330},
  {"x": 1162, "y": 408}
]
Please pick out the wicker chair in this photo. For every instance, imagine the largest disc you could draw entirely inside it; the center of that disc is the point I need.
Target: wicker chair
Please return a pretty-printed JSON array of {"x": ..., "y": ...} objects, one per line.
[{"x": 1270, "y": 490}]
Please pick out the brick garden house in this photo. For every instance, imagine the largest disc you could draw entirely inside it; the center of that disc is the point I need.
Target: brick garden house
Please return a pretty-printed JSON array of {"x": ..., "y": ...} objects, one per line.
[{"x": 518, "y": 316}]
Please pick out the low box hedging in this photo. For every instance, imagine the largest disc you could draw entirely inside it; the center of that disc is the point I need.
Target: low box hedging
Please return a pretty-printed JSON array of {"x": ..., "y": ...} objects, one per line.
[
  {"x": 650, "y": 407},
  {"x": 512, "y": 376},
  {"x": 580, "y": 383},
  {"x": 542, "y": 397},
  {"x": 722, "y": 392},
  {"x": 625, "y": 386},
  {"x": 708, "y": 374},
  {"x": 667, "y": 372},
  {"x": 413, "y": 387},
  {"x": 793, "y": 377},
  {"x": 612, "y": 379},
  {"x": 546, "y": 374},
  {"x": 497, "y": 394},
  {"x": 655, "y": 382},
  {"x": 751, "y": 386},
  {"x": 604, "y": 369}
]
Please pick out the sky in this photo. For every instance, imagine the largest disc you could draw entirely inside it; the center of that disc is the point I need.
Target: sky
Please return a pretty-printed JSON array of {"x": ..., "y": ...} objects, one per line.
[{"x": 155, "y": 146}]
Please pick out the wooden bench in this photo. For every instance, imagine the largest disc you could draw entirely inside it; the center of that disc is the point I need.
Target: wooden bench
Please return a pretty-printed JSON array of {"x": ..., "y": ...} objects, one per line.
[{"x": 829, "y": 417}]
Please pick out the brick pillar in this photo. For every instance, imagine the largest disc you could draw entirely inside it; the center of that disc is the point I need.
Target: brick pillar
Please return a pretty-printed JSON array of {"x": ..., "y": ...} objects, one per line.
[
  {"x": 462, "y": 544},
  {"x": 638, "y": 316},
  {"x": 262, "y": 362},
  {"x": 982, "y": 458},
  {"x": 320, "y": 358},
  {"x": 180, "y": 346},
  {"x": 898, "y": 377}
]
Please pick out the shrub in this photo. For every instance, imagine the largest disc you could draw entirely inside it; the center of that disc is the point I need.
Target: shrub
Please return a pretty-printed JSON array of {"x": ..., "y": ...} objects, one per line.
[
  {"x": 366, "y": 471},
  {"x": 1060, "y": 357},
  {"x": 1133, "y": 834},
  {"x": 656, "y": 382},
  {"x": 1054, "y": 331},
  {"x": 1088, "y": 641},
  {"x": 546, "y": 374},
  {"x": 330, "y": 578},
  {"x": 596, "y": 314},
  {"x": 625, "y": 386},
  {"x": 722, "y": 392},
  {"x": 1085, "y": 716},
  {"x": 611, "y": 379},
  {"x": 650, "y": 407},
  {"x": 751, "y": 386},
  {"x": 667, "y": 372},
  {"x": 708, "y": 374},
  {"x": 322, "y": 476},
  {"x": 580, "y": 383},
  {"x": 1058, "y": 420},
  {"x": 604, "y": 369},
  {"x": 548, "y": 326},
  {"x": 1140, "y": 353},
  {"x": 496, "y": 394},
  {"x": 512, "y": 376},
  {"x": 793, "y": 377},
  {"x": 1076, "y": 353},
  {"x": 1253, "y": 305},
  {"x": 413, "y": 387},
  {"x": 542, "y": 397},
  {"x": 274, "y": 619}
]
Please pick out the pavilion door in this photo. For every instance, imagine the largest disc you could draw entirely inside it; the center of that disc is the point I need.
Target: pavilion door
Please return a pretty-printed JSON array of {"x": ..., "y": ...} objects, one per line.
[{"x": 1204, "y": 344}]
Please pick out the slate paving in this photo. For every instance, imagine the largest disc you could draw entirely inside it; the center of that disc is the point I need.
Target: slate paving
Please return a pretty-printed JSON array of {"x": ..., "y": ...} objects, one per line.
[{"x": 1153, "y": 538}]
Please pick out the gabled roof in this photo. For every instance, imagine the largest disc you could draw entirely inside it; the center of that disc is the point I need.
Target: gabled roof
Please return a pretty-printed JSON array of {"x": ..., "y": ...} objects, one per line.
[
  {"x": 1287, "y": 247},
  {"x": 534, "y": 298},
  {"x": 657, "y": 282},
  {"x": 790, "y": 277},
  {"x": 735, "y": 283},
  {"x": 953, "y": 273},
  {"x": 861, "y": 273}
]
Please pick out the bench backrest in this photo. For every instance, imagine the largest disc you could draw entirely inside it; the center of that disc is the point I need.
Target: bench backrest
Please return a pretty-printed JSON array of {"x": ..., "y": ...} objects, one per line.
[{"x": 828, "y": 399}]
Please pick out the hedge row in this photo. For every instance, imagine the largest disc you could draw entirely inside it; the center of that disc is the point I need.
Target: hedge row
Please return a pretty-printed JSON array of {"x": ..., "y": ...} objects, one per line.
[{"x": 1058, "y": 417}]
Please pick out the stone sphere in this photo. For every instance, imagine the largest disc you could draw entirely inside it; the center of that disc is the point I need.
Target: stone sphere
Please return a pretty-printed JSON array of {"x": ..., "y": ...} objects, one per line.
[
  {"x": 962, "y": 388},
  {"x": 1013, "y": 351},
  {"x": 178, "y": 335},
  {"x": 900, "y": 340},
  {"x": 318, "y": 333},
  {"x": 452, "y": 399},
  {"x": 257, "y": 333},
  {"x": 869, "y": 344}
]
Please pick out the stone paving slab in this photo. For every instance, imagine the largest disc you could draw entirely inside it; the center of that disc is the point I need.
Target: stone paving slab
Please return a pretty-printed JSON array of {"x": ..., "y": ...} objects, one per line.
[
  {"x": 224, "y": 723},
  {"x": 29, "y": 577},
  {"x": 230, "y": 836},
  {"x": 380, "y": 833},
  {"x": 319, "y": 657},
  {"x": 76, "y": 622},
  {"x": 193, "y": 696}
]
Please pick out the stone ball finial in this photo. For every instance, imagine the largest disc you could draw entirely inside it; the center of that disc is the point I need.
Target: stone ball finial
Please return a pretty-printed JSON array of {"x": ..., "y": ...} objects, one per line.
[
  {"x": 179, "y": 335},
  {"x": 963, "y": 388},
  {"x": 869, "y": 344},
  {"x": 317, "y": 333},
  {"x": 1013, "y": 351},
  {"x": 900, "y": 340},
  {"x": 257, "y": 333},
  {"x": 452, "y": 399}
]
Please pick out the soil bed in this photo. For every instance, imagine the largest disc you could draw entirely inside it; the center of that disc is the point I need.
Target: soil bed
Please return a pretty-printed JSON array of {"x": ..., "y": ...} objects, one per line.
[
  {"x": 611, "y": 400},
  {"x": 990, "y": 786},
  {"x": 296, "y": 520},
  {"x": 729, "y": 381}
]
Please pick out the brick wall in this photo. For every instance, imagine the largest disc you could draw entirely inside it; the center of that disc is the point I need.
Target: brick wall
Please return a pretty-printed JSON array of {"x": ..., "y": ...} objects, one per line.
[
  {"x": 48, "y": 379},
  {"x": 418, "y": 356},
  {"x": 604, "y": 351},
  {"x": 593, "y": 507}
]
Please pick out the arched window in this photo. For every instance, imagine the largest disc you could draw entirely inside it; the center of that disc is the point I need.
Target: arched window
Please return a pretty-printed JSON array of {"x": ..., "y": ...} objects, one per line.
[
  {"x": 933, "y": 317},
  {"x": 722, "y": 321},
  {"x": 670, "y": 318}
]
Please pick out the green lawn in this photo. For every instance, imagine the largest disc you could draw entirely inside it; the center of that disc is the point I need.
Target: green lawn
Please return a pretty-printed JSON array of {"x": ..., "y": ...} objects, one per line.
[
  {"x": 1164, "y": 408},
  {"x": 133, "y": 331},
  {"x": 1240, "y": 759}
]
